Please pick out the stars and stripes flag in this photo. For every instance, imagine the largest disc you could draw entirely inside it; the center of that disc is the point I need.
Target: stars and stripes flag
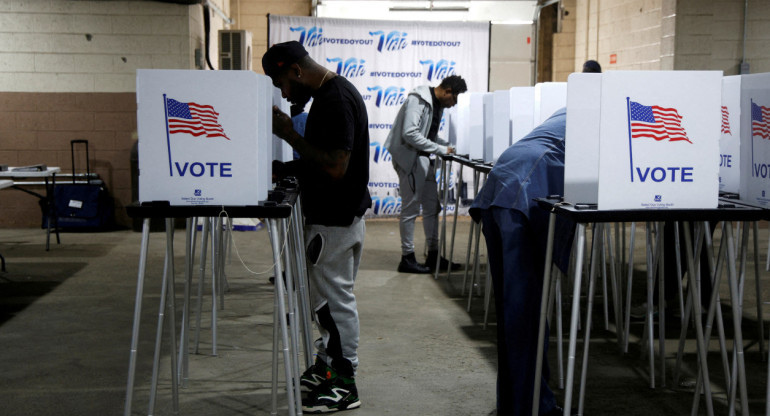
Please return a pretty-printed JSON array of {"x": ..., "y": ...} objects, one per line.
[
  {"x": 760, "y": 121},
  {"x": 192, "y": 118},
  {"x": 725, "y": 121},
  {"x": 656, "y": 122}
]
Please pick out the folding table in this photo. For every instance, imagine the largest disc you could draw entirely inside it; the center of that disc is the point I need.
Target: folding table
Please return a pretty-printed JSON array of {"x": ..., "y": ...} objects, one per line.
[
  {"x": 277, "y": 210},
  {"x": 24, "y": 173},
  {"x": 727, "y": 211}
]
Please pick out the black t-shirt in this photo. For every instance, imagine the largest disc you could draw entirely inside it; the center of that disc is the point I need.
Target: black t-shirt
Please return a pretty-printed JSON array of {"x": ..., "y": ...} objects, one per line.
[
  {"x": 436, "y": 120},
  {"x": 336, "y": 120}
]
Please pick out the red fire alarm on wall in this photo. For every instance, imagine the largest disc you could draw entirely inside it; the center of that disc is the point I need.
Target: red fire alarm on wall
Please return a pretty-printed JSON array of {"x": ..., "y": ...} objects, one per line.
[{"x": 614, "y": 58}]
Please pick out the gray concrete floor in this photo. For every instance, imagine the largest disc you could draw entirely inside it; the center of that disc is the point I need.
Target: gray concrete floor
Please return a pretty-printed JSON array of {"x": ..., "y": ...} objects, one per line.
[{"x": 66, "y": 318}]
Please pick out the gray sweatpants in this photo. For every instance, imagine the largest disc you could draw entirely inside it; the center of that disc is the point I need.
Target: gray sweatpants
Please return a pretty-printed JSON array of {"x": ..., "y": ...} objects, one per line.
[
  {"x": 418, "y": 187},
  {"x": 334, "y": 254}
]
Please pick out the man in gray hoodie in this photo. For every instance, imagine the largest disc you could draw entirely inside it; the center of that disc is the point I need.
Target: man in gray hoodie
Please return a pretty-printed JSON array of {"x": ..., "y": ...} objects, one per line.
[{"x": 411, "y": 141}]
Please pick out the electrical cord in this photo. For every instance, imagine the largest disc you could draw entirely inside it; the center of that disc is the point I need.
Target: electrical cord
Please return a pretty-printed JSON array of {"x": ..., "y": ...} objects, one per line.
[{"x": 283, "y": 246}]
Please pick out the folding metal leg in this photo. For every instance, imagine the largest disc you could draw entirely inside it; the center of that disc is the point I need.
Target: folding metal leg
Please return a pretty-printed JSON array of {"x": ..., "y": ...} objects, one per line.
[
  {"x": 605, "y": 294},
  {"x": 454, "y": 221},
  {"x": 617, "y": 300},
  {"x": 202, "y": 275},
  {"x": 758, "y": 290},
  {"x": 184, "y": 336},
  {"x": 598, "y": 245},
  {"x": 301, "y": 282},
  {"x": 544, "y": 312},
  {"x": 216, "y": 259},
  {"x": 476, "y": 175},
  {"x": 280, "y": 317},
  {"x": 714, "y": 309},
  {"x": 137, "y": 315},
  {"x": 167, "y": 296},
  {"x": 574, "y": 323},
  {"x": 629, "y": 281},
  {"x": 695, "y": 297},
  {"x": 443, "y": 180},
  {"x": 736, "y": 300},
  {"x": 291, "y": 298}
]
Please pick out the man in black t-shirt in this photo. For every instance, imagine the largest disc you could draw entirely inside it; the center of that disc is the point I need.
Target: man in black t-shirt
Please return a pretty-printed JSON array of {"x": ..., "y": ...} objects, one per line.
[{"x": 333, "y": 173}]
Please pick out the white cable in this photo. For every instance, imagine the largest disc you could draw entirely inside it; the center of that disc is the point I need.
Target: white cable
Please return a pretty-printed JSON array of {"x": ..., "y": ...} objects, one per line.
[{"x": 283, "y": 246}]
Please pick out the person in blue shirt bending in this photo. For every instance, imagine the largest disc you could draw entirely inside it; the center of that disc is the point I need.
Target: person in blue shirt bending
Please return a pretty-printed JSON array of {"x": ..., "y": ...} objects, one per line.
[{"x": 515, "y": 230}]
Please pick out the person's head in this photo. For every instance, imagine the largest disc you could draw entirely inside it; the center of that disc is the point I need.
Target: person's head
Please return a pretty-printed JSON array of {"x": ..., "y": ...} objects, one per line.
[
  {"x": 449, "y": 89},
  {"x": 592, "y": 66},
  {"x": 286, "y": 64}
]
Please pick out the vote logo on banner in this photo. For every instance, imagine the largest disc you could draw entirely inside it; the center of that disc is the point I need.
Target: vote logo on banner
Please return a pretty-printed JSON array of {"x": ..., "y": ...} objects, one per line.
[
  {"x": 439, "y": 69},
  {"x": 193, "y": 119},
  {"x": 658, "y": 123}
]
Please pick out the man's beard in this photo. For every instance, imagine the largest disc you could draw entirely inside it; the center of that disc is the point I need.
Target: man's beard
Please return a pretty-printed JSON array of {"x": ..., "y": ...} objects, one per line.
[{"x": 300, "y": 94}]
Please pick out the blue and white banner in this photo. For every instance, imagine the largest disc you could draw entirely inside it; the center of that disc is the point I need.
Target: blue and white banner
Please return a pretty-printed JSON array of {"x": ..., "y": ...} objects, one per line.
[{"x": 385, "y": 60}]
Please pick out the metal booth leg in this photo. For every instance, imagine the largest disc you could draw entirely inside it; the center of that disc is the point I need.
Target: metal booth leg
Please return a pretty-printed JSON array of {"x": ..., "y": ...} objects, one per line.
[
  {"x": 166, "y": 299},
  {"x": 137, "y": 315},
  {"x": 454, "y": 221},
  {"x": 280, "y": 316}
]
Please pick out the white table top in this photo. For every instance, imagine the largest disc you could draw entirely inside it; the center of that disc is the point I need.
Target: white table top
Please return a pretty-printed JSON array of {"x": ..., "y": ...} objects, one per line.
[{"x": 41, "y": 174}]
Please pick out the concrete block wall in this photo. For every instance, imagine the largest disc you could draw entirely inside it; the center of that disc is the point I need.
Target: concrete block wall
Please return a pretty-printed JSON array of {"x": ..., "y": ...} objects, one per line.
[
  {"x": 631, "y": 30},
  {"x": 709, "y": 35},
  {"x": 68, "y": 71},
  {"x": 564, "y": 42}
]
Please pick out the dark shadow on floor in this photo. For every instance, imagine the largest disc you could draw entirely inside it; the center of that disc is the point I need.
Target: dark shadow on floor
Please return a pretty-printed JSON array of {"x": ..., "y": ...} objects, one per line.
[{"x": 25, "y": 283}]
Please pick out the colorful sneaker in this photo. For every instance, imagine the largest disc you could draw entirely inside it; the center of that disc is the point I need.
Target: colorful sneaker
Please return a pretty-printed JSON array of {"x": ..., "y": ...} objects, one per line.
[
  {"x": 336, "y": 394},
  {"x": 314, "y": 376}
]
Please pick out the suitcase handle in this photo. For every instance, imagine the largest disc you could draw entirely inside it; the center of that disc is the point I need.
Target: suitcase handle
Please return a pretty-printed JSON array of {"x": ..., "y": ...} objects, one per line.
[{"x": 72, "y": 155}]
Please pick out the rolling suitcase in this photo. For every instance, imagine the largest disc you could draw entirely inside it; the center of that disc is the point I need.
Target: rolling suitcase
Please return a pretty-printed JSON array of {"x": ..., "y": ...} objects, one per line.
[{"x": 82, "y": 205}]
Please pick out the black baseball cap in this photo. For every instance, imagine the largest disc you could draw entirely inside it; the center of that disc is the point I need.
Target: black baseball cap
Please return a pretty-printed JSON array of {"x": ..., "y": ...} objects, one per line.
[{"x": 280, "y": 56}]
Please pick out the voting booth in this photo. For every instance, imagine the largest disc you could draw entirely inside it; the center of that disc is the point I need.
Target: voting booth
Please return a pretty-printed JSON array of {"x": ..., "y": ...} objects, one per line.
[
  {"x": 475, "y": 137},
  {"x": 755, "y": 139},
  {"x": 549, "y": 97},
  {"x": 522, "y": 107},
  {"x": 281, "y": 150},
  {"x": 730, "y": 140},
  {"x": 658, "y": 139},
  {"x": 204, "y": 136},
  {"x": 581, "y": 159}
]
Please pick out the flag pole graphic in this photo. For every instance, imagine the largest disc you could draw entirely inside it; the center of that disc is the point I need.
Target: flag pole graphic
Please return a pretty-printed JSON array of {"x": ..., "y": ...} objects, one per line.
[
  {"x": 751, "y": 117},
  {"x": 168, "y": 140},
  {"x": 630, "y": 148}
]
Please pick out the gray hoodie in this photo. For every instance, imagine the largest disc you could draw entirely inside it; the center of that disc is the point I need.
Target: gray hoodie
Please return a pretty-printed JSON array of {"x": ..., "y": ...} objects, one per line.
[{"x": 409, "y": 134}]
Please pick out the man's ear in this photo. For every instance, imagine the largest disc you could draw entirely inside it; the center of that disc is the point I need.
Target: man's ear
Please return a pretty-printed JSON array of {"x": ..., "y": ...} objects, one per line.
[{"x": 297, "y": 70}]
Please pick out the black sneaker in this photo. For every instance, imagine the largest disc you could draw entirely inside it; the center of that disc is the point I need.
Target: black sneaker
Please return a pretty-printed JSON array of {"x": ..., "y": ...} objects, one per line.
[
  {"x": 336, "y": 394},
  {"x": 314, "y": 376}
]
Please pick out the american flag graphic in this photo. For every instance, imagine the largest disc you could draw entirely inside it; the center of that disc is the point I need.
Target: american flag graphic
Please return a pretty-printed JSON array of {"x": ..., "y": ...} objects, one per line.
[
  {"x": 725, "y": 121},
  {"x": 760, "y": 121},
  {"x": 192, "y": 118},
  {"x": 656, "y": 122}
]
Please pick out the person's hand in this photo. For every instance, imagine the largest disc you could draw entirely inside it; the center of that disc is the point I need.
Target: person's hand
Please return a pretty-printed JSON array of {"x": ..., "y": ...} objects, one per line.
[
  {"x": 450, "y": 150},
  {"x": 282, "y": 125}
]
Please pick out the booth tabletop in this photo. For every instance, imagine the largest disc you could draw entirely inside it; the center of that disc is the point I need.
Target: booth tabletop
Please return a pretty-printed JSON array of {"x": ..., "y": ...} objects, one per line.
[
  {"x": 727, "y": 210},
  {"x": 464, "y": 160},
  {"x": 279, "y": 205}
]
